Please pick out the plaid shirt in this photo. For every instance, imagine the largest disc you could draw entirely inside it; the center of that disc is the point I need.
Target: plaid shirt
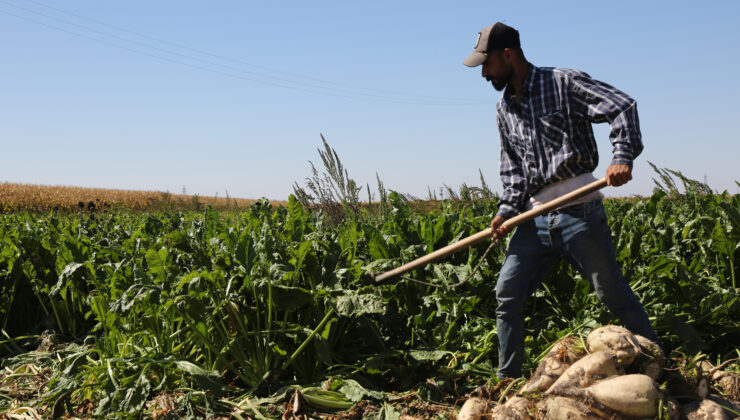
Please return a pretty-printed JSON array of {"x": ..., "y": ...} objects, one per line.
[{"x": 547, "y": 136}]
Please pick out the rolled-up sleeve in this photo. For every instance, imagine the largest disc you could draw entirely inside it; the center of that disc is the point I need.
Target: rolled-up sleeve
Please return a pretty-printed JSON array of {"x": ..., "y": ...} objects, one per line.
[
  {"x": 599, "y": 102},
  {"x": 514, "y": 195}
]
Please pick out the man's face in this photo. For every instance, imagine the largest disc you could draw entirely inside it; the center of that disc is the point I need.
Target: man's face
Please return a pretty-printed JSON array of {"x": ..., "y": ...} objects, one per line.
[{"x": 496, "y": 70}]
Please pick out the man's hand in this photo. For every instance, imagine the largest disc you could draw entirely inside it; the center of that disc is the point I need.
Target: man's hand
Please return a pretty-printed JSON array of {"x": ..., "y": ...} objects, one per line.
[
  {"x": 499, "y": 231},
  {"x": 617, "y": 175}
]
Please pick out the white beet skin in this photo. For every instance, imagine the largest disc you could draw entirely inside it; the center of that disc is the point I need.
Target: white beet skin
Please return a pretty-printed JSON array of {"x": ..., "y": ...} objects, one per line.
[
  {"x": 704, "y": 410},
  {"x": 632, "y": 395},
  {"x": 585, "y": 372},
  {"x": 475, "y": 409},
  {"x": 651, "y": 359},
  {"x": 617, "y": 340},
  {"x": 563, "y": 354},
  {"x": 561, "y": 408},
  {"x": 516, "y": 408}
]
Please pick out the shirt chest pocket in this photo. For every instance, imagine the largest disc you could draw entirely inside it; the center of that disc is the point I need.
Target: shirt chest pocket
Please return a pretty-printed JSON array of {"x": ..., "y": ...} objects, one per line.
[{"x": 552, "y": 129}]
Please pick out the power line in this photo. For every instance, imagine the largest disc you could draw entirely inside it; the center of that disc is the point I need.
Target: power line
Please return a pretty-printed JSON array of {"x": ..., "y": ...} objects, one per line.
[
  {"x": 201, "y": 67},
  {"x": 221, "y": 57},
  {"x": 281, "y": 82},
  {"x": 184, "y": 55},
  {"x": 355, "y": 96}
]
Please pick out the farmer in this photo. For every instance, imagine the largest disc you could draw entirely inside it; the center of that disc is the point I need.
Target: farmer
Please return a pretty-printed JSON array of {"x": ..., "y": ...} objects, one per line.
[{"x": 547, "y": 149}]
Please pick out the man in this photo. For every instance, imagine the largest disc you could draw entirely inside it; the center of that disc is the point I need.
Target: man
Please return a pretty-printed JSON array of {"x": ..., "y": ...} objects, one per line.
[{"x": 547, "y": 149}]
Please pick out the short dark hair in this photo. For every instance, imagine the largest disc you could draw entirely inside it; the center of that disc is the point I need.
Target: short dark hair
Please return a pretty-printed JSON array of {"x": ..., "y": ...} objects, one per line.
[{"x": 517, "y": 52}]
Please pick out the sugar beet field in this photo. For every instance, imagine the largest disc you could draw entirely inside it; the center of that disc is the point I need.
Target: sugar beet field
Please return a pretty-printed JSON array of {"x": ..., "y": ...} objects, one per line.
[{"x": 266, "y": 311}]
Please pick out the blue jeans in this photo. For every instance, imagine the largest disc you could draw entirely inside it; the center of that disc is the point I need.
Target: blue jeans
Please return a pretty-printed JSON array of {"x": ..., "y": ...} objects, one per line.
[{"x": 581, "y": 235}]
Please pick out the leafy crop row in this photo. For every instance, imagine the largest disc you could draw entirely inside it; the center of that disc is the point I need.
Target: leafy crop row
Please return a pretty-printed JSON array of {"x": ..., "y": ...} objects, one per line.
[{"x": 217, "y": 306}]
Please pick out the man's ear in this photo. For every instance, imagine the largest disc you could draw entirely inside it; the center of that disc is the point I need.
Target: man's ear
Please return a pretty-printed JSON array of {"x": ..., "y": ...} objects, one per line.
[{"x": 508, "y": 55}]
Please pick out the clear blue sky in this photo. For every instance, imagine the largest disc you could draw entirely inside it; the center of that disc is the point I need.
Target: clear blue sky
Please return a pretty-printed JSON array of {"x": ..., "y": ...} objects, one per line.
[{"x": 232, "y": 95}]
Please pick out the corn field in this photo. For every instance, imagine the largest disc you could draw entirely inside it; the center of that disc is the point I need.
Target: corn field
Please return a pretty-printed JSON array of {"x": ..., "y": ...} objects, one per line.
[{"x": 45, "y": 198}]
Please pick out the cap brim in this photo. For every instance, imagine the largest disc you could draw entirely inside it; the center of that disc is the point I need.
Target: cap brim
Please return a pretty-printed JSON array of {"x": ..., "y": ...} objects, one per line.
[{"x": 475, "y": 59}]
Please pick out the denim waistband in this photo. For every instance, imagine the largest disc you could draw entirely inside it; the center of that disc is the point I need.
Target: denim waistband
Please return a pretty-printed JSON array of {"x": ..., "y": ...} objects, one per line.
[{"x": 581, "y": 208}]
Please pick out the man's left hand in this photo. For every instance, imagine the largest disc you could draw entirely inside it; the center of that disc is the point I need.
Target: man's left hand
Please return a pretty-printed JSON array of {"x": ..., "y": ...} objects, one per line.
[{"x": 617, "y": 175}]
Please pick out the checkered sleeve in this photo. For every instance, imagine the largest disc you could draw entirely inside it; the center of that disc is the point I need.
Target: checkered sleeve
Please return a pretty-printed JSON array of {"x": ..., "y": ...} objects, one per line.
[
  {"x": 512, "y": 199},
  {"x": 599, "y": 102}
]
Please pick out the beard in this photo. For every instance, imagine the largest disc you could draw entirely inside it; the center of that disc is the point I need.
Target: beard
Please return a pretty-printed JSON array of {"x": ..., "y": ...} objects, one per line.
[{"x": 499, "y": 83}]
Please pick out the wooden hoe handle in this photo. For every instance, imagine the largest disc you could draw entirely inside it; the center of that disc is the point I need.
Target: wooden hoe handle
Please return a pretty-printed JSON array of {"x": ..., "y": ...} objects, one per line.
[{"x": 486, "y": 234}]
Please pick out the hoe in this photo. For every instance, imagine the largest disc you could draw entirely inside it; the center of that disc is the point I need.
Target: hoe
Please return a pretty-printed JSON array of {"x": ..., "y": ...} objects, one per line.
[{"x": 485, "y": 234}]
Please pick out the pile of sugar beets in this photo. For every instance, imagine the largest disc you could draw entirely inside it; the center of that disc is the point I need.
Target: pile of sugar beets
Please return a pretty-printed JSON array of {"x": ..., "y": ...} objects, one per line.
[{"x": 616, "y": 376}]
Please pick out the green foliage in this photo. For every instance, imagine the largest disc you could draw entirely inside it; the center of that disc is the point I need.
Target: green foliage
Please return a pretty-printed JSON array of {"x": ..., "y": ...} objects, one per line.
[{"x": 212, "y": 305}]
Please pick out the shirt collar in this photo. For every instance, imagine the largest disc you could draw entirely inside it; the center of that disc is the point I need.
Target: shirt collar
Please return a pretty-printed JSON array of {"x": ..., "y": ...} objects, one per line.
[{"x": 529, "y": 84}]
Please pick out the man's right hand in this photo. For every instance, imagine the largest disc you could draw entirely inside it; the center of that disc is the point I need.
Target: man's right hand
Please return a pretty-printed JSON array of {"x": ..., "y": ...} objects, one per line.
[{"x": 499, "y": 231}]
